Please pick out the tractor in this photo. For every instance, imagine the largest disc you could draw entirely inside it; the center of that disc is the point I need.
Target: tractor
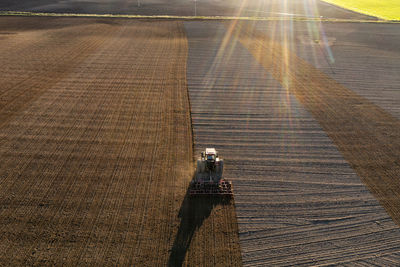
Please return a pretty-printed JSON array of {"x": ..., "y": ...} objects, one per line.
[{"x": 208, "y": 178}]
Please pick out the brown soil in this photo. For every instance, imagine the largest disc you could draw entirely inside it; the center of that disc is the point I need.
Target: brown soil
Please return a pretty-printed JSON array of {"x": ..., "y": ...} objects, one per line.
[
  {"x": 367, "y": 136},
  {"x": 208, "y": 234},
  {"x": 96, "y": 148}
]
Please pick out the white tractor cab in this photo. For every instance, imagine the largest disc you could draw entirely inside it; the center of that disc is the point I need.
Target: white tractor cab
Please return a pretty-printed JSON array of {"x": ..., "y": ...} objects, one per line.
[
  {"x": 210, "y": 163},
  {"x": 210, "y": 157}
]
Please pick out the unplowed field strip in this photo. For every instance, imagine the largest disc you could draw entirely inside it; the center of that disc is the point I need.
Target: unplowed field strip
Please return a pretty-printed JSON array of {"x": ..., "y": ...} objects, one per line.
[
  {"x": 96, "y": 148},
  {"x": 30, "y": 66},
  {"x": 95, "y": 141},
  {"x": 298, "y": 201}
]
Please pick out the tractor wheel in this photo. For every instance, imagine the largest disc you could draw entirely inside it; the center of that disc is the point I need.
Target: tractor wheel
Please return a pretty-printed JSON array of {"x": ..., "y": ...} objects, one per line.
[{"x": 201, "y": 167}]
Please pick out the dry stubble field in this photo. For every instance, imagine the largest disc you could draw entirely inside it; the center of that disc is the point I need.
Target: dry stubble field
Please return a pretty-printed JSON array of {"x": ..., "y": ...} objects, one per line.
[{"x": 96, "y": 148}]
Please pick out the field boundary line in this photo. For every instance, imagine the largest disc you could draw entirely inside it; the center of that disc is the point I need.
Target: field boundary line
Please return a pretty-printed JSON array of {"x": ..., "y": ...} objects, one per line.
[{"x": 170, "y": 17}]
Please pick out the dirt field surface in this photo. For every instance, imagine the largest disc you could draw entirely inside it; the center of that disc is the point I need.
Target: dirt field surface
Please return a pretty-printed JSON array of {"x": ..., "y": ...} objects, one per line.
[
  {"x": 96, "y": 142},
  {"x": 258, "y": 8},
  {"x": 96, "y": 148},
  {"x": 298, "y": 201},
  {"x": 368, "y": 136},
  {"x": 363, "y": 57}
]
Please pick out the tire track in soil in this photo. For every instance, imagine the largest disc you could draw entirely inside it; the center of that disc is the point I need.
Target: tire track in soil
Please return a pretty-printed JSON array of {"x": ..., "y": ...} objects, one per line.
[{"x": 104, "y": 151}]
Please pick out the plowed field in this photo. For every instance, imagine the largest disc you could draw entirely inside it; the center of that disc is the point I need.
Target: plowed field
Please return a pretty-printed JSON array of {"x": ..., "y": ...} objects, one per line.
[
  {"x": 298, "y": 201},
  {"x": 96, "y": 148},
  {"x": 367, "y": 135},
  {"x": 98, "y": 138}
]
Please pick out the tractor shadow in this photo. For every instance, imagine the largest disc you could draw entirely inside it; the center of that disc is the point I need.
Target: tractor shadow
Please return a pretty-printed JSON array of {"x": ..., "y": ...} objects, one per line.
[{"x": 193, "y": 212}]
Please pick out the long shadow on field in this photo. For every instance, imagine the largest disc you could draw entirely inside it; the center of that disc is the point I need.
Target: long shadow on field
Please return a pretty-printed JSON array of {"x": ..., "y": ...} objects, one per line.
[{"x": 193, "y": 212}]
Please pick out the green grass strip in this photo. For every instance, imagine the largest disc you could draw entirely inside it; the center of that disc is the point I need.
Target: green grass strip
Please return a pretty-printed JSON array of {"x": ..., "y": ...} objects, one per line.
[
  {"x": 41, "y": 14},
  {"x": 384, "y": 9}
]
